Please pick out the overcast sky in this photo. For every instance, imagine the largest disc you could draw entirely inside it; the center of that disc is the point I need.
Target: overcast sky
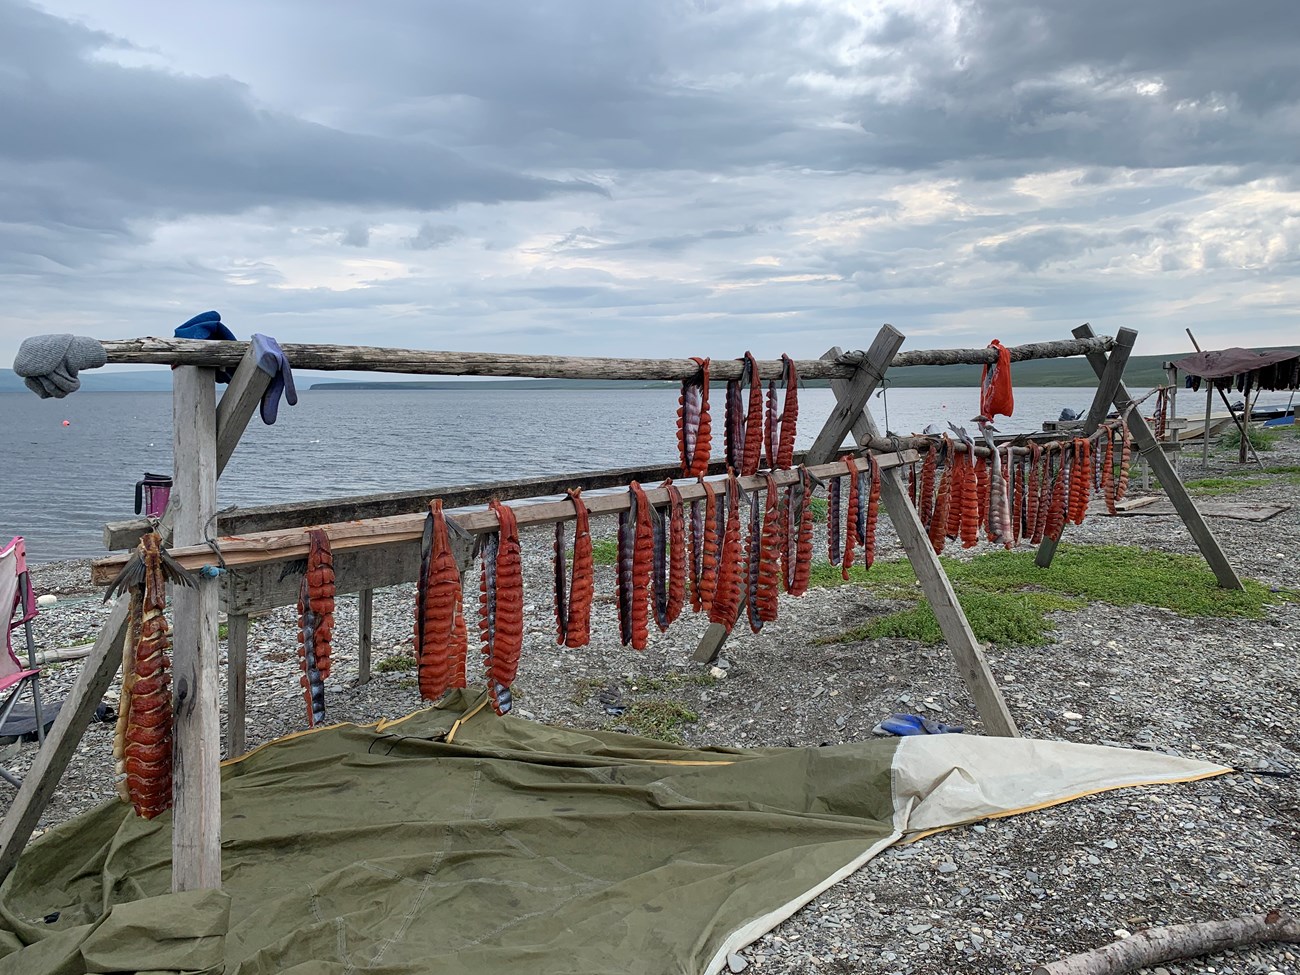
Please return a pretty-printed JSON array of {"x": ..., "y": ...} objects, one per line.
[{"x": 652, "y": 178}]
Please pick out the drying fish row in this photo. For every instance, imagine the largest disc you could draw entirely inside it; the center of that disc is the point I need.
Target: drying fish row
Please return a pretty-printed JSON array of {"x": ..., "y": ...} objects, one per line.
[
  {"x": 708, "y": 552},
  {"x": 1015, "y": 494},
  {"x": 752, "y": 428}
]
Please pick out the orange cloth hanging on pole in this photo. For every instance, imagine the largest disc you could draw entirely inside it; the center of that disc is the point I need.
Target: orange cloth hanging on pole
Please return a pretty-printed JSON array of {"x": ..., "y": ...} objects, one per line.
[{"x": 995, "y": 384}]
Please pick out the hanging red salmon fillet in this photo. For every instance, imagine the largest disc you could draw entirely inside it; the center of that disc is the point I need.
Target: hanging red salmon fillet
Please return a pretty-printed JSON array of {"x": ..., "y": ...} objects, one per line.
[{"x": 995, "y": 384}]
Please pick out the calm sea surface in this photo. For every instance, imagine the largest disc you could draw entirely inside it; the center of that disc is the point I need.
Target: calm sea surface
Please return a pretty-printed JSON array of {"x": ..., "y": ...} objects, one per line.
[{"x": 60, "y": 484}]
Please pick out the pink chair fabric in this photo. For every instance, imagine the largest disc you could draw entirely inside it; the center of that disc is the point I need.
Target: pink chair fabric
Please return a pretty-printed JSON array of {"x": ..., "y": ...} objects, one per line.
[{"x": 15, "y": 593}]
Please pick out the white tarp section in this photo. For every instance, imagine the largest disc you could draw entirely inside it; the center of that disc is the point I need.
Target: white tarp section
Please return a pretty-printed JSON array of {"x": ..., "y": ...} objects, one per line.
[{"x": 943, "y": 780}]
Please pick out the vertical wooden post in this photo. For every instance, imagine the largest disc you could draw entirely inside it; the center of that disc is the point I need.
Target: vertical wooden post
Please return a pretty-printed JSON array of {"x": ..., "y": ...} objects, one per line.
[
  {"x": 830, "y": 439},
  {"x": 365, "y": 618},
  {"x": 1109, "y": 381},
  {"x": 1205, "y": 443},
  {"x": 966, "y": 652},
  {"x": 196, "y": 781},
  {"x": 1173, "y": 432},
  {"x": 236, "y": 683},
  {"x": 1159, "y": 461}
]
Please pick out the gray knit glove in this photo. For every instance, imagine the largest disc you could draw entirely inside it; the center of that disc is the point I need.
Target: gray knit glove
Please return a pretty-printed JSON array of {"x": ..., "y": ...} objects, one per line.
[{"x": 49, "y": 363}]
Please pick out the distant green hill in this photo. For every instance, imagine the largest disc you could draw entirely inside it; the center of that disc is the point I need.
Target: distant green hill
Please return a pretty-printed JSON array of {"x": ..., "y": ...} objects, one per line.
[{"x": 1142, "y": 371}]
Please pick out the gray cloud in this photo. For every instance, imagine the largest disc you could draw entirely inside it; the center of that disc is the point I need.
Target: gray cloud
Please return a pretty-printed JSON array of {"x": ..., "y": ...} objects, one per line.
[
  {"x": 357, "y": 235},
  {"x": 650, "y": 174},
  {"x": 93, "y": 145},
  {"x": 431, "y": 236}
]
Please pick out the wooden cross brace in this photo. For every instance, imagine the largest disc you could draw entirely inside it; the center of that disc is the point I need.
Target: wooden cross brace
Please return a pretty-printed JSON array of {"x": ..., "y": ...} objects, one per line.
[
  {"x": 1112, "y": 391},
  {"x": 852, "y": 417}
]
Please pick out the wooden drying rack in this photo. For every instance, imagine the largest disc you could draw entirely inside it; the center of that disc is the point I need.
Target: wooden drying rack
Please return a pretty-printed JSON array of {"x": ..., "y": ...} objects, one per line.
[{"x": 376, "y": 538}]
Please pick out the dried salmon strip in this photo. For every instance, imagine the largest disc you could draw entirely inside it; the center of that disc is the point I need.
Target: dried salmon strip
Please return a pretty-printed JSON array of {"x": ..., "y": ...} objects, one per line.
[
  {"x": 694, "y": 428},
  {"x": 726, "y": 599},
  {"x": 441, "y": 643},
  {"x": 143, "y": 736},
  {"x": 502, "y": 608},
  {"x": 316, "y": 624},
  {"x": 573, "y": 614}
]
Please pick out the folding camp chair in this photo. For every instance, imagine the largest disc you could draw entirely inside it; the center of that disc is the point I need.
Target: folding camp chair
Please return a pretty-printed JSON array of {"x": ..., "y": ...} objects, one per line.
[{"x": 17, "y": 597}]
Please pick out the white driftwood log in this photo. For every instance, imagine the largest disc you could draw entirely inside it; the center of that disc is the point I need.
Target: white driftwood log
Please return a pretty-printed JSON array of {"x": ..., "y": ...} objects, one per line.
[
  {"x": 1154, "y": 946},
  {"x": 226, "y": 355}
]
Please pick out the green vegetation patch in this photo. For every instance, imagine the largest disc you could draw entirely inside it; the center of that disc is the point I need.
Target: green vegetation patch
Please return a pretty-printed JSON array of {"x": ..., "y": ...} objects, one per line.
[
  {"x": 1005, "y": 595},
  {"x": 1005, "y": 618},
  {"x": 1260, "y": 438},
  {"x": 672, "y": 681},
  {"x": 390, "y": 665},
  {"x": 657, "y": 719},
  {"x": 603, "y": 552},
  {"x": 820, "y": 510},
  {"x": 1214, "y": 487},
  {"x": 1287, "y": 473}
]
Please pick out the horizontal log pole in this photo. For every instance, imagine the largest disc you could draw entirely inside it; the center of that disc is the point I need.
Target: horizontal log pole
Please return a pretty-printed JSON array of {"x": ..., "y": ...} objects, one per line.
[
  {"x": 121, "y": 535},
  {"x": 976, "y": 357},
  {"x": 286, "y": 545},
  {"x": 361, "y": 358}
]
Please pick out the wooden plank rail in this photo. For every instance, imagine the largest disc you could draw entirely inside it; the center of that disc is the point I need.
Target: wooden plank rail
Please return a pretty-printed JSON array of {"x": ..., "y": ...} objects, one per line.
[
  {"x": 361, "y": 358},
  {"x": 119, "y": 535},
  {"x": 280, "y": 546}
]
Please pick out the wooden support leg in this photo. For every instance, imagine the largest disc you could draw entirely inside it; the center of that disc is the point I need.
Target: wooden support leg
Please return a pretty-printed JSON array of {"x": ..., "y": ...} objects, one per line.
[
  {"x": 196, "y": 749},
  {"x": 966, "y": 652},
  {"x": 365, "y": 617},
  {"x": 236, "y": 684},
  {"x": 715, "y": 635},
  {"x": 1109, "y": 382},
  {"x": 1164, "y": 468},
  {"x": 51, "y": 760},
  {"x": 829, "y": 440}
]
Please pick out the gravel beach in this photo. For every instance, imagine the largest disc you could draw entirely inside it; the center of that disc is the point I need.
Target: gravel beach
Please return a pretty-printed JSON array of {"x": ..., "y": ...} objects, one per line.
[{"x": 996, "y": 897}]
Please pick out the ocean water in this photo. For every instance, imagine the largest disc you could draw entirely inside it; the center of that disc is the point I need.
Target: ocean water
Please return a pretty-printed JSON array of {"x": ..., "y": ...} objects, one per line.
[{"x": 61, "y": 483}]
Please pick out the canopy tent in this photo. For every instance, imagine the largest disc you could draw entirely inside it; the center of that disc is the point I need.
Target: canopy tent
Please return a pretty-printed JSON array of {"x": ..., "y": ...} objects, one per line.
[
  {"x": 456, "y": 841},
  {"x": 1255, "y": 369}
]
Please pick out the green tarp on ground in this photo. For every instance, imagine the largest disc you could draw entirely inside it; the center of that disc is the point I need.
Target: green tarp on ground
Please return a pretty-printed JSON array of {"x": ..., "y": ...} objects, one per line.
[{"x": 513, "y": 846}]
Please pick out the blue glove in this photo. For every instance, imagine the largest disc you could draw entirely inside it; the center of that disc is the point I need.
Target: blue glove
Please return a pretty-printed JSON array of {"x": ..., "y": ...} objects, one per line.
[
  {"x": 905, "y": 725},
  {"x": 272, "y": 361},
  {"x": 207, "y": 326}
]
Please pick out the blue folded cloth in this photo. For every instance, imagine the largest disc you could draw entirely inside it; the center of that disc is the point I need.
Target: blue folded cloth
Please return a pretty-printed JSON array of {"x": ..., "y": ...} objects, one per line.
[
  {"x": 207, "y": 325},
  {"x": 272, "y": 361},
  {"x": 903, "y": 725}
]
